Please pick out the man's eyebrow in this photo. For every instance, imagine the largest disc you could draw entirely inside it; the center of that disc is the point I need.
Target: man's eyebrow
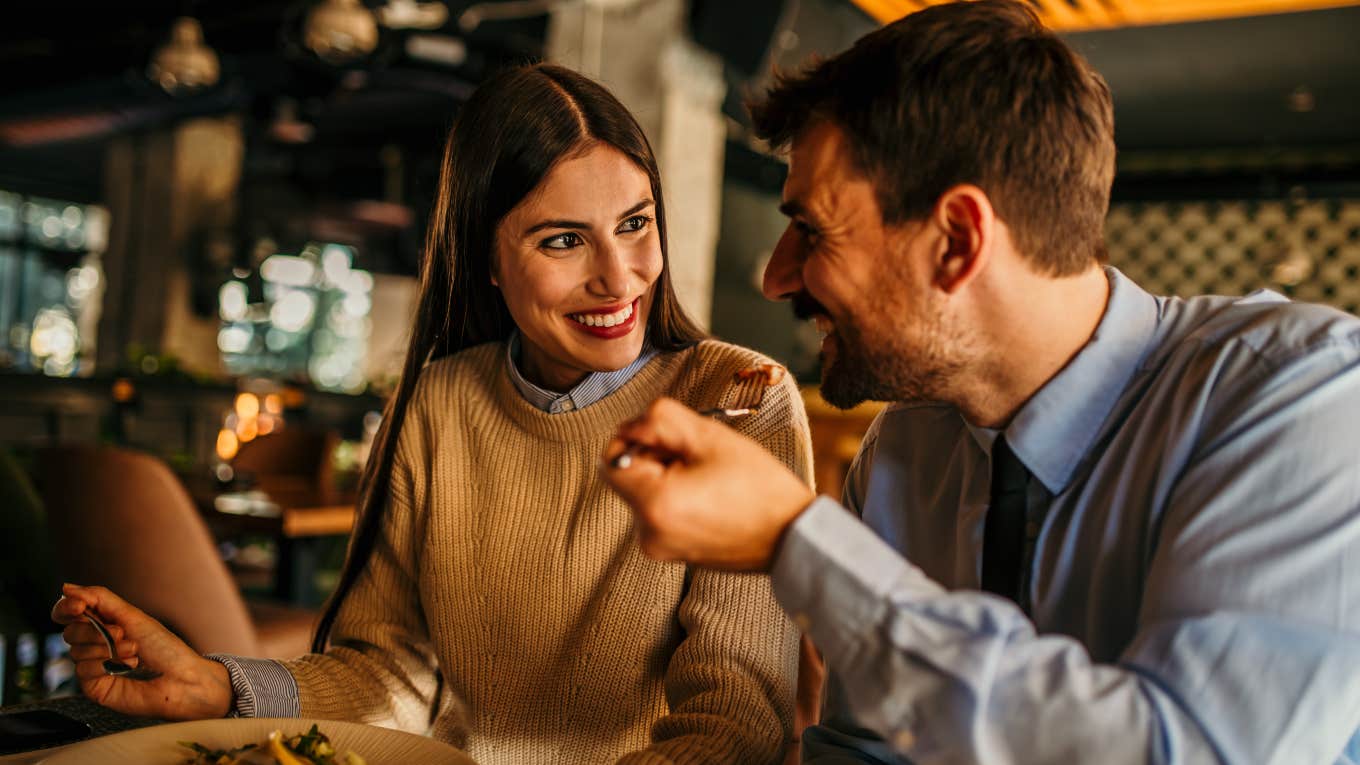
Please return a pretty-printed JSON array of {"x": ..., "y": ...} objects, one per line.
[{"x": 792, "y": 208}]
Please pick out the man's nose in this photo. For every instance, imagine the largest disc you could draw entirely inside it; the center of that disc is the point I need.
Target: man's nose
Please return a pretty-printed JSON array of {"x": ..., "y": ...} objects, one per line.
[{"x": 783, "y": 274}]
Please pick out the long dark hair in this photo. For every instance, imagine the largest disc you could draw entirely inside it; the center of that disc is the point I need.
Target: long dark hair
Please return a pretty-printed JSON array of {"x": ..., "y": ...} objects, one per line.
[{"x": 509, "y": 134}]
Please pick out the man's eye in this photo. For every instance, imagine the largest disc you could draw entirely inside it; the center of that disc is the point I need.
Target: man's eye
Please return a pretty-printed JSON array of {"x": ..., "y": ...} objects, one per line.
[
  {"x": 562, "y": 241},
  {"x": 805, "y": 230},
  {"x": 635, "y": 223}
]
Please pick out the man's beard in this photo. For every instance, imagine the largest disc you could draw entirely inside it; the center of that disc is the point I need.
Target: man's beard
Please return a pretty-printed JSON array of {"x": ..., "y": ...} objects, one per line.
[{"x": 888, "y": 365}]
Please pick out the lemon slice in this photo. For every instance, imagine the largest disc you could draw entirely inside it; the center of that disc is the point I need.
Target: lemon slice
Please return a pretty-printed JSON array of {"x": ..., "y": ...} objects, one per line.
[{"x": 281, "y": 752}]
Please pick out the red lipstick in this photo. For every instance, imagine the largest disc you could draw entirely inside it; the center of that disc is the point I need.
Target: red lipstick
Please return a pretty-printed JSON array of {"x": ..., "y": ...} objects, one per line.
[{"x": 608, "y": 333}]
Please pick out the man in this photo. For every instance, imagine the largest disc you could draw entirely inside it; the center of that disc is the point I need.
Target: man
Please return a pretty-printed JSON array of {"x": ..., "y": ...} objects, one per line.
[{"x": 1097, "y": 525}]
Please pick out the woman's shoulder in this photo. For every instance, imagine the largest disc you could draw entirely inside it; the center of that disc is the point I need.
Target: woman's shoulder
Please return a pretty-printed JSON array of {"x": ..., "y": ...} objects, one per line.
[
  {"x": 713, "y": 370},
  {"x": 712, "y": 353},
  {"x": 451, "y": 375},
  {"x": 483, "y": 356}
]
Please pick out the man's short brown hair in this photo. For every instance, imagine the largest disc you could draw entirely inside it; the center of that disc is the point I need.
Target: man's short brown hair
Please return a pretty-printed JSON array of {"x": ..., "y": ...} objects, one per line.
[{"x": 970, "y": 92}]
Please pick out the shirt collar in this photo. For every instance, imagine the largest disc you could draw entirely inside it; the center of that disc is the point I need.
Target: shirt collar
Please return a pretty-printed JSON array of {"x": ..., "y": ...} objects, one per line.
[
  {"x": 1054, "y": 430},
  {"x": 594, "y": 387}
]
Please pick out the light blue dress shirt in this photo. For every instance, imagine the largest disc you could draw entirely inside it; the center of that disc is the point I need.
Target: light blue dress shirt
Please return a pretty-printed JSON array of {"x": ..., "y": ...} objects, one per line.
[
  {"x": 263, "y": 687},
  {"x": 1194, "y": 583}
]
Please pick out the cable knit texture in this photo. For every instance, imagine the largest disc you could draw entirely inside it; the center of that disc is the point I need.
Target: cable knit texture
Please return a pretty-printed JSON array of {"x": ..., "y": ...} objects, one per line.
[{"x": 507, "y": 566}]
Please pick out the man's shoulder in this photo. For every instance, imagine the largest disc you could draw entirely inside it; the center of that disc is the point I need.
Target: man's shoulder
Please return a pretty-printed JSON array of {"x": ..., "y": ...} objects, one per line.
[
  {"x": 916, "y": 421},
  {"x": 1263, "y": 325}
]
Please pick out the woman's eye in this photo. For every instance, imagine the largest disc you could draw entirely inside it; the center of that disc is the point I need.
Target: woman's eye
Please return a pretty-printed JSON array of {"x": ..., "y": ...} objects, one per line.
[
  {"x": 562, "y": 241},
  {"x": 635, "y": 223}
]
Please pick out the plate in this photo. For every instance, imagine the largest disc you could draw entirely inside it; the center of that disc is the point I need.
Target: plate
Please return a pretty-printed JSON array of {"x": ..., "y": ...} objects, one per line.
[{"x": 159, "y": 744}]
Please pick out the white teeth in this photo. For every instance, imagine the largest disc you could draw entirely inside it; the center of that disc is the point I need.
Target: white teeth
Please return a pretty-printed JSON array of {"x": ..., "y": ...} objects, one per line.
[
  {"x": 604, "y": 320},
  {"x": 824, "y": 325}
]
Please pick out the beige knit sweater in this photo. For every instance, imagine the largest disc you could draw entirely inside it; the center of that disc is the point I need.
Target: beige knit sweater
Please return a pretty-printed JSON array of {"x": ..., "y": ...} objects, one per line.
[{"x": 510, "y": 568}]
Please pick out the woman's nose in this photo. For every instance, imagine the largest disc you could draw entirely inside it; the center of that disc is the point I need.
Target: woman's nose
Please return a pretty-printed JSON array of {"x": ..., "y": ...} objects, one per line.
[{"x": 612, "y": 275}]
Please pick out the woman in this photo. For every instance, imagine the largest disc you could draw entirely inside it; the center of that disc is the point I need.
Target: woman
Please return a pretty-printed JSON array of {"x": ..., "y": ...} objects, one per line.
[{"x": 493, "y": 593}]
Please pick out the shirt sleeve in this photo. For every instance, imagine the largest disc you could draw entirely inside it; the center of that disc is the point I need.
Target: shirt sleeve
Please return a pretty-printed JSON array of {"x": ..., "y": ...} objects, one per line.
[
  {"x": 261, "y": 687},
  {"x": 1249, "y": 628}
]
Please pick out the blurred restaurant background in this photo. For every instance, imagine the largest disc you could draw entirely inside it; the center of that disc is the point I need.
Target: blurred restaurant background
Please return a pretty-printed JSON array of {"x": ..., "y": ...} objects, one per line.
[{"x": 211, "y": 216}]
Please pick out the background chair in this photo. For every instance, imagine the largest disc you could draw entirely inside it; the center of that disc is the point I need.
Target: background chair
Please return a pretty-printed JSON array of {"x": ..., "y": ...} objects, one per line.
[
  {"x": 122, "y": 519},
  {"x": 28, "y": 580},
  {"x": 294, "y": 461}
]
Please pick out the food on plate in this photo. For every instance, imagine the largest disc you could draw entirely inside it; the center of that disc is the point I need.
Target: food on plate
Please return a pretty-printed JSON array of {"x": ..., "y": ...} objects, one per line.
[{"x": 310, "y": 748}]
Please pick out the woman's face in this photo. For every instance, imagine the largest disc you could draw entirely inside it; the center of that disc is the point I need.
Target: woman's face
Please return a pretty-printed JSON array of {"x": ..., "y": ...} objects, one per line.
[{"x": 577, "y": 262}]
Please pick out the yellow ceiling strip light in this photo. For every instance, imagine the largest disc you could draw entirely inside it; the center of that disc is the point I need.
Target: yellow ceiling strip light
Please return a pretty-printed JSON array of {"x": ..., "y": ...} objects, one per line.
[{"x": 1075, "y": 15}]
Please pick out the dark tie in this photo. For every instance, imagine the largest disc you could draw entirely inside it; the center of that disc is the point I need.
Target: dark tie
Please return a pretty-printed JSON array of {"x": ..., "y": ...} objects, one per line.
[{"x": 1003, "y": 537}]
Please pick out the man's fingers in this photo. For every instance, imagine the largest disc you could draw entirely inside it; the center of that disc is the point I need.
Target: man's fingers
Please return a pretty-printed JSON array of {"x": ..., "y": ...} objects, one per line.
[
  {"x": 667, "y": 428},
  {"x": 636, "y": 481}
]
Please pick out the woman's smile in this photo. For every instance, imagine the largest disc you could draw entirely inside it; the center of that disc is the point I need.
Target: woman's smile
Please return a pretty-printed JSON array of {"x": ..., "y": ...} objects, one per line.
[{"x": 609, "y": 322}]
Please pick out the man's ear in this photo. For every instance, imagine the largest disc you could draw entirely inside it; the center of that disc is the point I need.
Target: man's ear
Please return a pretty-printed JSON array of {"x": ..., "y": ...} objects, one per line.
[{"x": 965, "y": 216}]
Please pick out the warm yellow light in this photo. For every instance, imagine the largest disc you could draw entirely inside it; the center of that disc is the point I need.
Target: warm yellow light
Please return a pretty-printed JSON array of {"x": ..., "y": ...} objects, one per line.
[
  {"x": 123, "y": 390},
  {"x": 266, "y": 424},
  {"x": 227, "y": 444},
  {"x": 293, "y": 397},
  {"x": 247, "y": 406},
  {"x": 273, "y": 403},
  {"x": 1077, "y": 15}
]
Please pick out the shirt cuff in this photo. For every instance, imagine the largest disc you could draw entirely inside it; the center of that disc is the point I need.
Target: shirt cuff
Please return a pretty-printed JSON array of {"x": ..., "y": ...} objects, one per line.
[
  {"x": 835, "y": 577},
  {"x": 263, "y": 687}
]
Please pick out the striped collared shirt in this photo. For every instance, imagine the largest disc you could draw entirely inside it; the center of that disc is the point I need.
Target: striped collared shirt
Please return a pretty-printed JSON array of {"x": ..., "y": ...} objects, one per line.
[{"x": 594, "y": 387}]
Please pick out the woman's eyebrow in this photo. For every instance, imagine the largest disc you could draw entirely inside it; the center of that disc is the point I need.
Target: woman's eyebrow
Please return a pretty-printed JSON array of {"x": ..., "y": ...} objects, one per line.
[
  {"x": 637, "y": 208},
  {"x": 576, "y": 224},
  {"x": 555, "y": 224}
]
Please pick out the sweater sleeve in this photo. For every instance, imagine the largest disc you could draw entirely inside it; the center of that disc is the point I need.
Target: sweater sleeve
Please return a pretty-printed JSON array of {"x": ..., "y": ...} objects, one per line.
[
  {"x": 380, "y": 667},
  {"x": 730, "y": 684}
]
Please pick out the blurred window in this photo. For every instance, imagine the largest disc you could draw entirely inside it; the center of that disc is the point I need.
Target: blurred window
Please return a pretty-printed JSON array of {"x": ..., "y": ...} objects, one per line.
[
  {"x": 51, "y": 282},
  {"x": 299, "y": 316}
]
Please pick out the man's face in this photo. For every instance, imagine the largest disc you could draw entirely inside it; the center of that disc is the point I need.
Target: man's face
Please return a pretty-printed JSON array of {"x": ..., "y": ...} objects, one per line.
[{"x": 870, "y": 286}]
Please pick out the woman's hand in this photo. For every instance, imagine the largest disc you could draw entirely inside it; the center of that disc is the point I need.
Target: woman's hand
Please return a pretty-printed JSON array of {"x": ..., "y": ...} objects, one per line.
[{"x": 190, "y": 687}]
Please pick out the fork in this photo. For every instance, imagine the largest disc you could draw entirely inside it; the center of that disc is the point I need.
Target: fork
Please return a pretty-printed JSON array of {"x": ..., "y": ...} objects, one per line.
[
  {"x": 111, "y": 665},
  {"x": 747, "y": 396}
]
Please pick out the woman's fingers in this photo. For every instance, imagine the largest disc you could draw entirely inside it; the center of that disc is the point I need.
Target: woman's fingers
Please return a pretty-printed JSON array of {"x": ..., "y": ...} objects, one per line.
[
  {"x": 91, "y": 651},
  {"x": 69, "y": 608},
  {"x": 84, "y": 632},
  {"x": 110, "y": 607}
]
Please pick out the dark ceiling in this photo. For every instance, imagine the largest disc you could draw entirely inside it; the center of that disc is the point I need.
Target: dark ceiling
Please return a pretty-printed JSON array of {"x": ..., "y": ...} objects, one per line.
[
  {"x": 83, "y": 79},
  {"x": 75, "y": 75},
  {"x": 1281, "y": 80}
]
